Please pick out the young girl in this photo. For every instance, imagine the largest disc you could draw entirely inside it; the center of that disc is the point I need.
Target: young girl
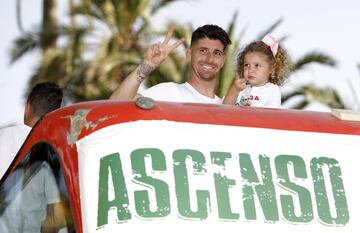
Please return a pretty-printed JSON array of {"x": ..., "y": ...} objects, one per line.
[{"x": 262, "y": 67}]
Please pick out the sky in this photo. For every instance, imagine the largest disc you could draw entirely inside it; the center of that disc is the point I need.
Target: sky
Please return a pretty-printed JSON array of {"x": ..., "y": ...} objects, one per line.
[{"x": 324, "y": 26}]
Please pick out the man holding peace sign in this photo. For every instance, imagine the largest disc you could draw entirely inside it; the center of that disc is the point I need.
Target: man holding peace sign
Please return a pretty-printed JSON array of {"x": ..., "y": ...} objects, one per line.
[{"x": 206, "y": 57}]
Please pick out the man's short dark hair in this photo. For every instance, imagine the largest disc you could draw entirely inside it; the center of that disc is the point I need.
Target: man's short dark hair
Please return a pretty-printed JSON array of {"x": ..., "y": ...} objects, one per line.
[
  {"x": 44, "y": 98},
  {"x": 212, "y": 32}
]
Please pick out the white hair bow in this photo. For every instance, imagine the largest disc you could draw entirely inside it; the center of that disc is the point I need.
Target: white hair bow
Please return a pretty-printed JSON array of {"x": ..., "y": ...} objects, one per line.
[{"x": 272, "y": 43}]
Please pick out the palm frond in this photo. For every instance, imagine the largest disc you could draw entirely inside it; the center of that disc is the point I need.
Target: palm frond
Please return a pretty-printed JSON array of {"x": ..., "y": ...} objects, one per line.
[
  {"x": 93, "y": 58},
  {"x": 301, "y": 104},
  {"x": 269, "y": 29},
  {"x": 24, "y": 44},
  {"x": 92, "y": 11},
  {"x": 157, "y": 5},
  {"x": 327, "y": 96},
  {"x": 112, "y": 61},
  {"x": 313, "y": 57},
  {"x": 18, "y": 16},
  {"x": 181, "y": 31}
]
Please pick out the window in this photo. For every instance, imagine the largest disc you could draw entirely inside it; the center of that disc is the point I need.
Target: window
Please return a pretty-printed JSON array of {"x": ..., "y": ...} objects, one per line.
[{"x": 34, "y": 197}]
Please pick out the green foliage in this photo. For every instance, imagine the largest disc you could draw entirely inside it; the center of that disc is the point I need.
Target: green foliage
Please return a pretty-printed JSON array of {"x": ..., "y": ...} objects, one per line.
[
  {"x": 326, "y": 96},
  {"x": 93, "y": 58},
  {"x": 23, "y": 45},
  {"x": 313, "y": 57},
  {"x": 105, "y": 40}
]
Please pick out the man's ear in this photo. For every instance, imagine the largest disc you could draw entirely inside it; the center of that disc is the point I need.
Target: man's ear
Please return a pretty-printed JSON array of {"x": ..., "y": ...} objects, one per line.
[
  {"x": 27, "y": 113},
  {"x": 27, "y": 109}
]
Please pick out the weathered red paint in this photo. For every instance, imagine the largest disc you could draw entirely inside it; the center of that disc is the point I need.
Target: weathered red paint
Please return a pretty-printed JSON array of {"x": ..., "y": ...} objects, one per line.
[{"x": 55, "y": 127}]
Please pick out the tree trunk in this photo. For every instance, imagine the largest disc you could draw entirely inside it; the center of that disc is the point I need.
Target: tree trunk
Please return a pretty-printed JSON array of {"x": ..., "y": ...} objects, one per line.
[{"x": 49, "y": 24}]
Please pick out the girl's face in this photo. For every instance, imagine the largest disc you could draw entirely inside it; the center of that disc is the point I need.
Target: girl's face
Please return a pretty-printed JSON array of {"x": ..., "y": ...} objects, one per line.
[{"x": 257, "y": 69}]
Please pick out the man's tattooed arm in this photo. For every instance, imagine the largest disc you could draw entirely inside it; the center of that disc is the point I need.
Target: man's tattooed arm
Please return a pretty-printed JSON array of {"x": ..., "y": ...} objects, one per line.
[{"x": 143, "y": 71}]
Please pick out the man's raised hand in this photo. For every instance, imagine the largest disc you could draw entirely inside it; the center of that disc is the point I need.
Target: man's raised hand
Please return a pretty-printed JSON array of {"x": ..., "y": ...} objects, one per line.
[{"x": 160, "y": 51}]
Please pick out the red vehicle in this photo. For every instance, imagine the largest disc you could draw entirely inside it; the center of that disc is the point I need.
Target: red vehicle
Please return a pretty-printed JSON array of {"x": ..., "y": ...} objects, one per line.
[{"x": 160, "y": 166}]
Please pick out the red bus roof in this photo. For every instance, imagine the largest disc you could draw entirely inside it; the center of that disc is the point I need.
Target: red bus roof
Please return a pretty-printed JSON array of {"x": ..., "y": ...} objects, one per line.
[{"x": 63, "y": 127}]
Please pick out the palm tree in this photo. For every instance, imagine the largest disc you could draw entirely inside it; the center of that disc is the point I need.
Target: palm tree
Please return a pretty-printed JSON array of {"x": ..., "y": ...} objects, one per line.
[{"x": 103, "y": 43}]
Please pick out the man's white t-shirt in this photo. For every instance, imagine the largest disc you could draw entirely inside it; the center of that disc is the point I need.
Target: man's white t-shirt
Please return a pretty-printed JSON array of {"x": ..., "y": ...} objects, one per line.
[
  {"x": 268, "y": 95},
  {"x": 11, "y": 139},
  {"x": 175, "y": 92}
]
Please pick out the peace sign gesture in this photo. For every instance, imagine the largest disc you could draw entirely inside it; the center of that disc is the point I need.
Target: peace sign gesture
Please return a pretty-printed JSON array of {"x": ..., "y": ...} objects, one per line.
[{"x": 160, "y": 51}]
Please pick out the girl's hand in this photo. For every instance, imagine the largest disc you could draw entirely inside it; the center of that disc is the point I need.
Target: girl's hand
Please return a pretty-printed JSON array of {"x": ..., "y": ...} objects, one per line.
[{"x": 239, "y": 83}]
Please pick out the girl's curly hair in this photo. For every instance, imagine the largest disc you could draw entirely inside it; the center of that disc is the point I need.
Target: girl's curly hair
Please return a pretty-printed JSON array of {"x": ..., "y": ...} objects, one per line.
[{"x": 280, "y": 63}]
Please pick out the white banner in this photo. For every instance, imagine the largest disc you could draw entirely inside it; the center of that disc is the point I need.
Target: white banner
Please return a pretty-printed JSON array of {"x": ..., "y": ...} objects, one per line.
[{"x": 158, "y": 176}]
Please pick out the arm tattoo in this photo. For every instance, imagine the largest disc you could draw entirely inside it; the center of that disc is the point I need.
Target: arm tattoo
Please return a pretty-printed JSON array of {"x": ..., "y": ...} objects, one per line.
[{"x": 143, "y": 71}]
